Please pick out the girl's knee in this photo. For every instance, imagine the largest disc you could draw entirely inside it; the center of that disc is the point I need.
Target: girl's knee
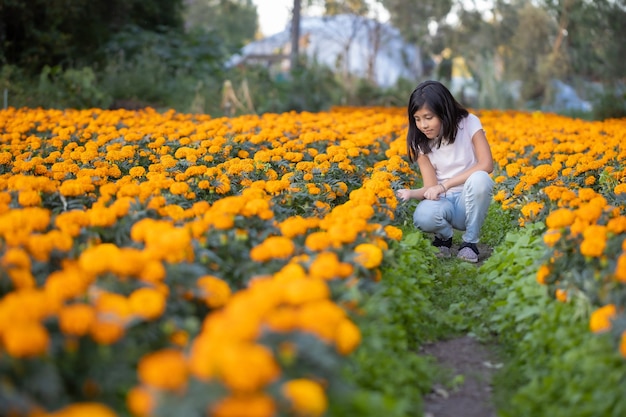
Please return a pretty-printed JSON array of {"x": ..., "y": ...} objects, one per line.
[{"x": 480, "y": 182}]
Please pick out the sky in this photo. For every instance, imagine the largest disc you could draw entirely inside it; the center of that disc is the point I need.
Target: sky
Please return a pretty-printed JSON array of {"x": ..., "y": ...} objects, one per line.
[{"x": 274, "y": 15}]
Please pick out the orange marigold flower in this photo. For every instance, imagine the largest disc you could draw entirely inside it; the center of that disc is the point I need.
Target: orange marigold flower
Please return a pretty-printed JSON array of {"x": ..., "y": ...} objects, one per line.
[
  {"x": 106, "y": 332},
  {"x": 147, "y": 303},
  {"x": 532, "y": 209},
  {"x": 368, "y": 255},
  {"x": 140, "y": 401},
  {"x": 214, "y": 291},
  {"x": 620, "y": 268},
  {"x": 303, "y": 290},
  {"x": 325, "y": 265},
  {"x": 594, "y": 241},
  {"x": 601, "y": 318},
  {"x": 551, "y": 237},
  {"x": 165, "y": 369},
  {"x": 622, "y": 344},
  {"x": 76, "y": 319},
  {"x": 28, "y": 198},
  {"x": 348, "y": 337},
  {"x": 542, "y": 273},
  {"x": 393, "y": 232},
  {"x": 85, "y": 409},
  {"x": 274, "y": 247},
  {"x": 307, "y": 397},
  {"x": 26, "y": 339},
  {"x": 247, "y": 367},
  {"x": 620, "y": 188},
  {"x": 560, "y": 218},
  {"x": 561, "y": 295},
  {"x": 245, "y": 405}
]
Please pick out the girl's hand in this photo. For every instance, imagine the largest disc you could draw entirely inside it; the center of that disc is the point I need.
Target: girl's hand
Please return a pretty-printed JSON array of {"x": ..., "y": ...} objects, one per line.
[
  {"x": 432, "y": 193},
  {"x": 404, "y": 194}
]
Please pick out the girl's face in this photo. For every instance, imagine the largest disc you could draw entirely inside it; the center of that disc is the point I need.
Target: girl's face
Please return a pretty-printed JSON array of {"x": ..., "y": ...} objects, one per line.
[{"x": 427, "y": 122}]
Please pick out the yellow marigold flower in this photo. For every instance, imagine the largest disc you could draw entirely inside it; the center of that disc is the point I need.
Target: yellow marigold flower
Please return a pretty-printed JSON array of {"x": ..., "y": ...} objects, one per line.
[
  {"x": 512, "y": 169},
  {"x": 147, "y": 303},
  {"x": 294, "y": 226},
  {"x": 137, "y": 172},
  {"x": 274, "y": 247},
  {"x": 620, "y": 268},
  {"x": 325, "y": 266},
  {"x": 320, "y": 318},
  {"x": 245, "y": 405},
  {"x": 15, "y": 258},
  {"x": 165, "y": 369},
  {"x": 594, "y": 241},
  {"x": 115, "y": 307},
  {"x": 29, "y": 198},
  {"x": 620, "y": 188},
  {"x": 532, "y": 209},
  {"x": 247, "y": 368},
  {"x": 303, "y": 290},
  {"x": 26, "y": 339},
  {"x": 153, "y": 271},
  {"x": 348, "y": 337},
  {"x": 617, "y": 225},
  {"x": 214, "y": 291},
  {"x": 5, "y": 158},
  {"x": 179, "y": 188},
  {"x": 368, "y": 255},
  {"x": 85, "y": 409},
  {"x": 560, "y": 218},
  {"x": 140, "y": 401},
  {"x": 307, "y": 397},
  {"x": 76, "y": 319},
  {"x": 542, "y": 273},
  {"x": 106, "y": 332},
  {"x": 601, "y": 318},
  {"x": 393, "y": 232}
]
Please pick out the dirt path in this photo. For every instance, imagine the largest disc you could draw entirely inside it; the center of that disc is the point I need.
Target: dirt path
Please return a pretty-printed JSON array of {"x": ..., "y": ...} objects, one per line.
[{"x": 466, "y": 390}]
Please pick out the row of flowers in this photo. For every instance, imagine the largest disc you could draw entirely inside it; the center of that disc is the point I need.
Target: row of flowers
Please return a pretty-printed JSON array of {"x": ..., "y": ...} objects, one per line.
[
  {"x": 167, "y": 261},
  {"x": 570, "y": 174},
  {"x": 180, "y": 261}
]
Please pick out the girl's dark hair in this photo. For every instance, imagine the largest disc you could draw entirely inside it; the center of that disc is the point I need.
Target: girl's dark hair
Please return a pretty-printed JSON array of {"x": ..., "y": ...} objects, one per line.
[{"x": 440, "y": 101}]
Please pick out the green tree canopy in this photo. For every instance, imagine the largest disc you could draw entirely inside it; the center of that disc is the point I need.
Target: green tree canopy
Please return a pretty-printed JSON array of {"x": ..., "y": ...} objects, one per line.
[{"x": 35, "y": 33}]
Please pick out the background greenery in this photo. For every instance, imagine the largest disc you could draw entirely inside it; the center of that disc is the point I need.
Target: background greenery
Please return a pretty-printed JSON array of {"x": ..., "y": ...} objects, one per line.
[{"x": 173, "y": 54}]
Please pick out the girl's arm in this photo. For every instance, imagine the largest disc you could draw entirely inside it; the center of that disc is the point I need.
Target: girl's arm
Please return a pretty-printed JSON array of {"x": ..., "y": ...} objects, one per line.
[
  {"x": 483, "y": 155},
  {"x": 431, "y": 188}
]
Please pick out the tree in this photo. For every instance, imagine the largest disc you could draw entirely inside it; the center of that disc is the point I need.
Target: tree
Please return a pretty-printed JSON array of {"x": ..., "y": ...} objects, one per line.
[
  {"x": 234, "y": 21},
  {"x": 413, "y": 18},
  {"x": 35, "y": 33}
]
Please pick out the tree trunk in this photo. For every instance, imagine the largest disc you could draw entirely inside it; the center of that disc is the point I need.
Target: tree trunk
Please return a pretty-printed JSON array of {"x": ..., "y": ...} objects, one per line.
[{"x": 295, "y": 34}]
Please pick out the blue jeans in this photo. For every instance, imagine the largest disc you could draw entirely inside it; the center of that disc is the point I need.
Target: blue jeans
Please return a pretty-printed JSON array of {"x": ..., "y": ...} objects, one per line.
[{"x": 464, "y": 211}]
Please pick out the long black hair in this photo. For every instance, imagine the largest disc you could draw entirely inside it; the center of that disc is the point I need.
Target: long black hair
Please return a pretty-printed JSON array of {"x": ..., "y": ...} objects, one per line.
[{"x": 440, "y": 101}]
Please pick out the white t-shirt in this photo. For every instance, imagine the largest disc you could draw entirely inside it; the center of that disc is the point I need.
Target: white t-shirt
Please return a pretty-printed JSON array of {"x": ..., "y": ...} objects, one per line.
[{"x": 452, "y": 159}]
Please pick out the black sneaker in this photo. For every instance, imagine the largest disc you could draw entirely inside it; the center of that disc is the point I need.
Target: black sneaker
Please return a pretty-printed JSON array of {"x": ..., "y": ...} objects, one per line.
[
  {"x": 443, "y": 246},
  {"x": 468, "y": 252}
]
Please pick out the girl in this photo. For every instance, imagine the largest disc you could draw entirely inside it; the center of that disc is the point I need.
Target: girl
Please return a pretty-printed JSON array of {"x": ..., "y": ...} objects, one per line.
[{"x": 454, "y": 158}]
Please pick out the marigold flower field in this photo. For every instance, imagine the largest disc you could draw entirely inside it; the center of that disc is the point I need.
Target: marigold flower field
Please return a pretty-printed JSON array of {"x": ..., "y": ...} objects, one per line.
[{"x": 147, "y": 257}]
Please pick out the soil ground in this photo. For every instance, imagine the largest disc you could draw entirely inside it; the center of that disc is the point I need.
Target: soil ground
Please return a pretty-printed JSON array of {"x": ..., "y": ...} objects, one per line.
[{"x": 469, "y": 366}]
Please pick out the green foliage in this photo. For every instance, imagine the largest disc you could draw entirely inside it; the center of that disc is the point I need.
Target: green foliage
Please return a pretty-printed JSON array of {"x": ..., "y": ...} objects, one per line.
[
  {"x": 611, "y": 104},
  {"x": 397, "y": 318},
  {"x": 234, "y": 21},
  {"x": 498, "y": 224},
  {"x": 73, "y": 88},
  {"x": 56, "y": 32},
  {"x": 555, "y": 367}
]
